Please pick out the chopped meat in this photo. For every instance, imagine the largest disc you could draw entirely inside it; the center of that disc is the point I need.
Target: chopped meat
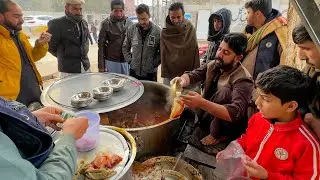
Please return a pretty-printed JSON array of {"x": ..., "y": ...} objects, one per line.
[
  {"x": 99, "y": 168},
  {"x": 106, "y": 161}
]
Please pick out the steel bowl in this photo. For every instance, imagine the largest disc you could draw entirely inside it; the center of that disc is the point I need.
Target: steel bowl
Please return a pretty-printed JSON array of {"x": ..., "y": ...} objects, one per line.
[
  {"x": 82, "y": 99},
  {"x": 102, "y": 93},
  {"x": 116, "y": 83}
]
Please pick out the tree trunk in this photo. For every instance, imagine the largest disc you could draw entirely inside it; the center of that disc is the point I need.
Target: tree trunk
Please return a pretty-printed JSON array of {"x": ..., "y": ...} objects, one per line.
[{"x": 292, "y": 55}]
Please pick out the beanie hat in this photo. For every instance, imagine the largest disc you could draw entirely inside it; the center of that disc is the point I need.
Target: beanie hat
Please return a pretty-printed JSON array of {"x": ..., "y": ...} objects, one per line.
[{"x": 117, "y": 4}]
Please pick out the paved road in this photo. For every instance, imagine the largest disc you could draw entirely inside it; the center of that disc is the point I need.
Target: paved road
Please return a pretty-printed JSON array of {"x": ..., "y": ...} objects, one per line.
[{"x": 48, "y": 65}]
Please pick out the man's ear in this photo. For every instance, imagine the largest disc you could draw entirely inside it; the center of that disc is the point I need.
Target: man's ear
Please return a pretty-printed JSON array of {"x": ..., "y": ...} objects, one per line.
[
  {"x": 292, "y": 106},
  {"x": 239, "y": 58},
  {"x": 1, "y": 17},
  {"x": 259, "y": 14}
]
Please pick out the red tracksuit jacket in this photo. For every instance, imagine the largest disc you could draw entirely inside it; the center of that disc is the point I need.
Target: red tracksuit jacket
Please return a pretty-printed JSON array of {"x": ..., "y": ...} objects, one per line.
[{"x": 286, "y": 151}]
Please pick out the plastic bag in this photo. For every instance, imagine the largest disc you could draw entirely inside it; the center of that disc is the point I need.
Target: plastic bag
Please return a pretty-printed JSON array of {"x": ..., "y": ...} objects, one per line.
[{"x": 229, "y": 163}]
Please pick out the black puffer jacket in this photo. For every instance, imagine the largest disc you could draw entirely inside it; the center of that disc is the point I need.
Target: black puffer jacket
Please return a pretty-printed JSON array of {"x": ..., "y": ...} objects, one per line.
[
  {"x": 69, "y": 45},
  {"x": 215, "y": 37}
]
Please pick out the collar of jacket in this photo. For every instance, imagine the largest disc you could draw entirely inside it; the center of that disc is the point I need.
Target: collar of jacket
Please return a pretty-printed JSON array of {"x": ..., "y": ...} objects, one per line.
[
  {"x": 5, "y": 32},
  {"x": 274, "y": 14},
  {"x": 150, "y": 25},
  {"x": 73, "y": 21},
  {"x": 114, "y": 20},
  {"x": 292, "y": 125}
]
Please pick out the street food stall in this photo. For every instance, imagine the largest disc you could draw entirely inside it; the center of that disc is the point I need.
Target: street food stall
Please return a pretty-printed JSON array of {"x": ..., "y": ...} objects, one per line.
[
  {"x": 138, "y": 111},
  {"x": 135, "y": 124}
]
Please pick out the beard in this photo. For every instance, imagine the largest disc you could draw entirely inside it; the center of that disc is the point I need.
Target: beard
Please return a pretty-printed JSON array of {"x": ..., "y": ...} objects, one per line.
[
  {"x": 178, "y": 23},
  {"x": 222, "y": 65},
  {"x": 144, "y": 25},
  {"x": 118, "y": 17},
  {"x": 11, "y": 26},
  {"x": 77, "y": 17}
]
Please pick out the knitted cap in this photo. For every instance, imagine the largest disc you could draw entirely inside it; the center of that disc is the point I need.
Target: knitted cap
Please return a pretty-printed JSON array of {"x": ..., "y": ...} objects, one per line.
[{"x": 117, "y": 4}]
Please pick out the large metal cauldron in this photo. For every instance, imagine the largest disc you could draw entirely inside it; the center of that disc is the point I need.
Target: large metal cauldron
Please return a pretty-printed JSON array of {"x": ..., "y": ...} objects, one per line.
[{"x": 155, "y": 139}]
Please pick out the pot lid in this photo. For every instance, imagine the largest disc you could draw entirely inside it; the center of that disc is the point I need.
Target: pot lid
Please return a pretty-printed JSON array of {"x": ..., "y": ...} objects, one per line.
[{"x": 60, "y": 92}]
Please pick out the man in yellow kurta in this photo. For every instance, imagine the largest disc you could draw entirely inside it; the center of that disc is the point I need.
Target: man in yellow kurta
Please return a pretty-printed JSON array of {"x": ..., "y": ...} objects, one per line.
[{"x": 19, "y": 77}]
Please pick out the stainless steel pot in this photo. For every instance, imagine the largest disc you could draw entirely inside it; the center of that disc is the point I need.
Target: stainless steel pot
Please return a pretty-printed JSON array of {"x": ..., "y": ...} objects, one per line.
[{"x": 156, "y": 139}]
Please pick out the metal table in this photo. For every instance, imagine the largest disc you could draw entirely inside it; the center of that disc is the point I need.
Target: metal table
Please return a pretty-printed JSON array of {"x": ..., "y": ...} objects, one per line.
[{"x": 60, "y": 92}]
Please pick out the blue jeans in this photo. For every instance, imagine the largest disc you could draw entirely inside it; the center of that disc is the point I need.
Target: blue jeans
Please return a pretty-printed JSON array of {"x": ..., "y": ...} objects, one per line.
[{"x": 116, "y": 67}]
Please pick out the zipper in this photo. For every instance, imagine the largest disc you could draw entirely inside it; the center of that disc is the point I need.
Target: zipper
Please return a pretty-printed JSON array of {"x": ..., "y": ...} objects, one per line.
[
  {"x": 143, "y": 44},
  {"x": 265, "y": 139},
  {"x": 141, "y": 58}
]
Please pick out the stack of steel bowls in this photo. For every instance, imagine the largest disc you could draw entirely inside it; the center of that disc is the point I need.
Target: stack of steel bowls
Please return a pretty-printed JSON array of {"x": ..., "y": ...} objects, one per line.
[
  {"x": 102, "y": 93},
  {"x": 116, "y": 83},
  {"x": 82, "y": 99}
]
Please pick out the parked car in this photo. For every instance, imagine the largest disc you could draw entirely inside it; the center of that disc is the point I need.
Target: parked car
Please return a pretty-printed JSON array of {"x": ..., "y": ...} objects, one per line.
[
  {"x": 134, "y": 19},
  {"x": 34, "y": 25},
  {"x": 39, "y": 20}
]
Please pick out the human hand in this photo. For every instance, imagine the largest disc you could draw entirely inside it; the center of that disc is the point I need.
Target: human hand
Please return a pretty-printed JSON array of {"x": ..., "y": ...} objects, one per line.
[
  {"x": 49, "y": 116},
  {"x": 44, "y": 38},
  {"x": 192, "y": 100},
  {"x": 253, "y": 168},
  {"x": 219, "y": 156},
  {"x": 180, "y": 80},
  {"x": 313, "y": 123},
  {"x": 75, "y": 127},
  {"x": 309, "y": 119}
]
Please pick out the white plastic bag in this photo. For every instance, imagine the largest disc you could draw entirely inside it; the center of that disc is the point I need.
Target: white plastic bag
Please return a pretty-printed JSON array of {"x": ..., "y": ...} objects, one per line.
[{"x": 229, "y": 163}]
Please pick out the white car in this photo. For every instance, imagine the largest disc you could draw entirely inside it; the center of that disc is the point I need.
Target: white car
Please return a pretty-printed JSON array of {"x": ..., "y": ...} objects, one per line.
[{"x": 39, "y": 20}]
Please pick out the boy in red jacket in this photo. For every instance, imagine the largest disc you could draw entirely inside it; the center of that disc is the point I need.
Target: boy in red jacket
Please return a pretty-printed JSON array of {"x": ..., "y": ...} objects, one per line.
[{"x": 277, "y": 143}]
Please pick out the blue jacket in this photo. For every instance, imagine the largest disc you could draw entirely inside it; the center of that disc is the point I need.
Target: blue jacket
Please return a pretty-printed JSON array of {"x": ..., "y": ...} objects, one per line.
[{"x": 27, "y": 150}]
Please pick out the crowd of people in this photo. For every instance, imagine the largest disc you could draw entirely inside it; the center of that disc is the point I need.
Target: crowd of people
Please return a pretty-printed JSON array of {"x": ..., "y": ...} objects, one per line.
[{"x": 249, "y": 96}]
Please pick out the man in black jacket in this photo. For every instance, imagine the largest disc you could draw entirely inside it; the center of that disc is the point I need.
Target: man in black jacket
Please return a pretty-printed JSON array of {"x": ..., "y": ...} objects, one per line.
[
  {"x": 70, "y": 40},
  {"x": 111, "y": 37}
]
